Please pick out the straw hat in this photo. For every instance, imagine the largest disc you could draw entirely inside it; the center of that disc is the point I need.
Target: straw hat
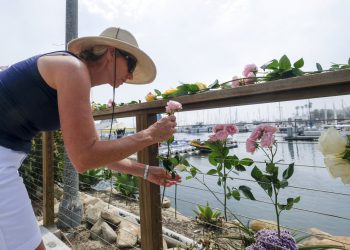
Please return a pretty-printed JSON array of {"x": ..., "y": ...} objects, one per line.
[{"x": 145, "y": 71}]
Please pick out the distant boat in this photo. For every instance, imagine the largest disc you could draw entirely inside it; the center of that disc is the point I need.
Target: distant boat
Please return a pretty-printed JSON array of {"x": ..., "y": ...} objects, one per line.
[
  {"x": 200, "y": 127},
  {"x": 200, "y": 145}
]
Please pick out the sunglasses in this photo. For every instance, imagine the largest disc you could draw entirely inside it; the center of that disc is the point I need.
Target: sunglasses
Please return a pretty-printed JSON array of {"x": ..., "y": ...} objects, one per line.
[{"x": 131, "y": 60}]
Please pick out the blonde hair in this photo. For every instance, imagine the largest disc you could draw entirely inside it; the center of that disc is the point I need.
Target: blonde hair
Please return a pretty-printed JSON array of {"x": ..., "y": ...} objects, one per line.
[{"x": 94, "y": 53}]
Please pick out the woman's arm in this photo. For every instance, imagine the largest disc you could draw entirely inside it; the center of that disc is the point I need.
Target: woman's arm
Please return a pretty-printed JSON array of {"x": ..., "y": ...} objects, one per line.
[
  {"x": 156, "y": 175},
  {"x": 72, "y": 81}
]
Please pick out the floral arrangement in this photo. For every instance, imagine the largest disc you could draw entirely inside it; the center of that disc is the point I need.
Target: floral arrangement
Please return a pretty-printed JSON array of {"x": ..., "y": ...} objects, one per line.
[
  {"x": 336, "y": 150},
  {"x": 169, "y": 162},
  {"x": 263, "y": 138},
  {"x": 270, "y": 240}
]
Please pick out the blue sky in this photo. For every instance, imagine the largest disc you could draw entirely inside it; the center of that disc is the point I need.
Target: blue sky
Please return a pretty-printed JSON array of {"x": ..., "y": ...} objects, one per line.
[{"x": 196, "y": 40}]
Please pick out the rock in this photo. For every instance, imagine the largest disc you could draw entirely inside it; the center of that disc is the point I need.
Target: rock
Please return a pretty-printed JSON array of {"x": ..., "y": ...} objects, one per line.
[
  {"x": 89, "y": 200},
  {"x": 108, "y": 233},
  {"x": 165, "y": 245},
  {"x": 111, "y": 216},
  {"x": 58, "y": 192},
  {"x": 257, "y": 225},
  {"x": 93, "y": 212},
  {"x": 128, "y": 234},
  {"x": 318, "y": 233},
  {"x": 342, "y": 241},
  {"x": 166, "y": 203},
  {"x": 96, "y": 230}
]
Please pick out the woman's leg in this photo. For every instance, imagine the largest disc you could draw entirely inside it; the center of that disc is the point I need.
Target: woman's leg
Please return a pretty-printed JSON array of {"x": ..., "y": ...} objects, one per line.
[
  {"x": 41, "y": 246},
  {"x": 18, "y": 225}
]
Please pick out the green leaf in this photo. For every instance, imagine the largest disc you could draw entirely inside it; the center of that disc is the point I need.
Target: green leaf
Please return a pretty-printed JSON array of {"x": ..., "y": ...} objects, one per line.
[
  {"x": 214, "y": 85},
  {"x": 247, "y": 192},
  {"x": 271, "y": 168},
  {"x": 297, "y": 199},
  {"x": 284, "y": 63},
  {"x": 283, "y": 184},
  {"x": 298, "y": 64},
  {"x": 235, "y": 194},
  {"x": 170, "y": 140},
  {"x": 227, "y": 165},
  {"x": 319, "y": 67},
  {"x": 246, "y": 162},
  {"x": 188, "y": 177},
  {"x": 240, "y": 168},
  {"x": 273, "y": 64},
  {"x": 256, "y": 173},
  {"x": 157, "y": 92},
  {"x": 212, "y": 172},
  {"x": 288, "y": 172}
]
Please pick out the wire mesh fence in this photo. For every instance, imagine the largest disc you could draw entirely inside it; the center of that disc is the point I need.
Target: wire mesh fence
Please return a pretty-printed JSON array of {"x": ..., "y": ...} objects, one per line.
[{"x": 196, "y": 208}]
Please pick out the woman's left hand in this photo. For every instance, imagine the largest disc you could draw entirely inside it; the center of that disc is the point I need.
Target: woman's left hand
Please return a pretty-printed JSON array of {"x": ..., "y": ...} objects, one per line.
[{"x": 161, "y": 177}]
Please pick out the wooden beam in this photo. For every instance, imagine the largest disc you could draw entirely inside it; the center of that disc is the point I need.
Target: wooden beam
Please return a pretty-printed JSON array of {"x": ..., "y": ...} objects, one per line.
[
  {"x": 150, "y": 208},
  {"x": 48, "y": 179},
  {"x": 310, "y": 86}
]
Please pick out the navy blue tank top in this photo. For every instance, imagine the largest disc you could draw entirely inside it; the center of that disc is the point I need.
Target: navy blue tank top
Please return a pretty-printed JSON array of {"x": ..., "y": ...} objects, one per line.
[{"x": 28, "y": 105}]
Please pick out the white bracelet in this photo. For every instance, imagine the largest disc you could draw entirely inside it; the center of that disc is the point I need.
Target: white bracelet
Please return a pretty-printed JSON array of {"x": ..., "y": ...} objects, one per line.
[{"x": 145, "y": 174}]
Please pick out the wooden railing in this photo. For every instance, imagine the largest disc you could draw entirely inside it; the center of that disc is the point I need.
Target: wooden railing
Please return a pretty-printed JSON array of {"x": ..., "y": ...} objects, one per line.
[{"x": 309, "y": 86}]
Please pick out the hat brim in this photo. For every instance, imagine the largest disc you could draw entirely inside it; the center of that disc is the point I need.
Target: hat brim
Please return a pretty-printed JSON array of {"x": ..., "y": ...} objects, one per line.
[{"x": 145, "y": 71}]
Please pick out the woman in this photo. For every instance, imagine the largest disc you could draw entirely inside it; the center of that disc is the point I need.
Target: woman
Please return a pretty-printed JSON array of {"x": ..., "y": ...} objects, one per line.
[{"x": 51, "y": 91}]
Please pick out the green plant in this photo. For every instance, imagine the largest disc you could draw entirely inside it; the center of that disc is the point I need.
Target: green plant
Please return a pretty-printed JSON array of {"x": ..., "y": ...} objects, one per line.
[
  {"x": 126, "y": 184},
  {"x": 90, "y": 178},
  {"x": 269, "y": 179},
  {"x": 207, "y": 214},
  {"x": 280, "y": 69}
]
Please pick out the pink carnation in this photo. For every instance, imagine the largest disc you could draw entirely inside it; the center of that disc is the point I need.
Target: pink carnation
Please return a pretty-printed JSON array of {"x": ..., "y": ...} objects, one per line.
[
  {"x": 172, "y": 107},
  {"x": 110, "y": 103},
  {"x": 218, "y": 128},
  {"x": 235, "y": 82},
  {"x": 267, "y": 140},
  {"x": 250, "y": 68},
  {"x": 251, "y": 78},
  {"x": 250, "y": 145},
  {"x": 231, "y": 129},
  {"x": 219, "y": 136}
]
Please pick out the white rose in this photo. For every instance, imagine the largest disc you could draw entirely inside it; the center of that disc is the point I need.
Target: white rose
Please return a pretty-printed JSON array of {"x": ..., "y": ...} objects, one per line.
[
  {"x": 338, "y": 167},
  {"x": 331, "y": 142},
  {"x": 180, "y": 167}
]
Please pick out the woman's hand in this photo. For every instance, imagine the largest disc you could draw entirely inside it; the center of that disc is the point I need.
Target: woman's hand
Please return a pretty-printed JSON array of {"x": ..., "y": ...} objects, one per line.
[
  {"x": 159, "y": 176},
  {"x": 163, "y": 129}
]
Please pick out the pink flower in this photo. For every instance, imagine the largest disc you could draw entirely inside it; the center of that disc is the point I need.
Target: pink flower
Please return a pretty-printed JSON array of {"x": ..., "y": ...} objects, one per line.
[
  {"x": 267, "y": 140},
  {"x": 235, "y": 82},
  {"x": 257, "y": 133},
  {"x": 218, "y": 128},
  {"x": 231, "y": 129},
  {"x": 249, "y": 68},
  {"x": 110, "y": 103},
  {"x": 250, "y": 145},
  {"x": 172, "y": 107},
  {"x": 219, "y": 136},
  {"x": 264, "y": 133},
  {"x": 251, "y": 78}
]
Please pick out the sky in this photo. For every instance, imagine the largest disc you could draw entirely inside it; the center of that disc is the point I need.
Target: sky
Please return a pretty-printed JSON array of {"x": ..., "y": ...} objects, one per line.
[{"x": 193, "y": 40}]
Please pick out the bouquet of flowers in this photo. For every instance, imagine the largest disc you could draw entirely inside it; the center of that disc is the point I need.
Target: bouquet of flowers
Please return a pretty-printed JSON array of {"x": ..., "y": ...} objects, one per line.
[{"x": 336, "y": 150}]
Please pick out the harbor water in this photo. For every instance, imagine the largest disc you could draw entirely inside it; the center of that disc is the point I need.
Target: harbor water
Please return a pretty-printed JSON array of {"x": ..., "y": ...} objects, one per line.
[{"x": 324, "y": 204}]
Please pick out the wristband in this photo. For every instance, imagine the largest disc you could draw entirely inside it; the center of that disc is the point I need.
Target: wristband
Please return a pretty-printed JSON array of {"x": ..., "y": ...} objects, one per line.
[{"x": 145, "y": 174}]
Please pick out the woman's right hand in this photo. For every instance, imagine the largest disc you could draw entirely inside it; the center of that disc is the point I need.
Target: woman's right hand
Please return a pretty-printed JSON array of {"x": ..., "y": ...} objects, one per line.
[{"x": 163, "y": 129}]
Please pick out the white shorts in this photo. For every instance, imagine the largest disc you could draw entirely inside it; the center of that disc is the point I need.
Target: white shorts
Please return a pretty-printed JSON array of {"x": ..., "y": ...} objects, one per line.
[{"x": 19, "y": 229}]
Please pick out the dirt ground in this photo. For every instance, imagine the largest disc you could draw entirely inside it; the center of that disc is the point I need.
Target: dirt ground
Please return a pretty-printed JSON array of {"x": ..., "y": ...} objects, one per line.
[{"x": 79, "y": 238}]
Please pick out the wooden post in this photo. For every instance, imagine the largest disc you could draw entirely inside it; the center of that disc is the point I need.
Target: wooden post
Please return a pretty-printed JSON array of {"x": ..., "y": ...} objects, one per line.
[
  {"x": 150, "y": 207},
  {"x": 48, "y": 179}
]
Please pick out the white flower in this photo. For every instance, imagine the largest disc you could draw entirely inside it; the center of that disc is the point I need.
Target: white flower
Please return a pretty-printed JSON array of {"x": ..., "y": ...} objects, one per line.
[
  {"x": 180, "y": 167},
  {"x": 338, "y": 167},
  {"x": 331, "y": 142}
]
